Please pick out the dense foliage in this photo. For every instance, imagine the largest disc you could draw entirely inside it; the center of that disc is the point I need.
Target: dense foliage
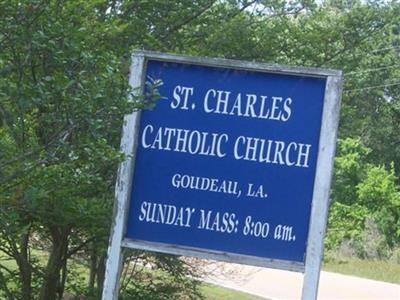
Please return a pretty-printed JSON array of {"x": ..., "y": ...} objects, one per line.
[
  {"x": 64, "y": 91},
  {"x": 366, "y": 203}
]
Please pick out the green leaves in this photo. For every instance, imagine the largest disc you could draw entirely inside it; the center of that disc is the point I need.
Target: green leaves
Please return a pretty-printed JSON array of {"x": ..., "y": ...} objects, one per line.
[
  {"x": 345, "y": 223},
  {"x": 362, "y": 192},
  {"x": 380, "y": 193},
  {"x": 349, "y": 169}
]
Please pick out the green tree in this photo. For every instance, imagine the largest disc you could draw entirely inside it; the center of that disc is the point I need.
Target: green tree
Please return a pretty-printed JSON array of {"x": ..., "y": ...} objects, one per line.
[
  {"x": 380, "y": 193},
  {"x": 63, "y": 92},
  {"x": 63, "y": 96},
  {"x": 349, "y": 170},
  {"x": 362, "y": 192},
  {"x": 347, "y": 215}
]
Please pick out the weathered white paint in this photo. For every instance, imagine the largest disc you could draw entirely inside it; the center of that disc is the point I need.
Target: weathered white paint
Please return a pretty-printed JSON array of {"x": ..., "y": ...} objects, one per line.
[
  {"x": 215, "y": 255},
  {"x": 320, "y": 203},
  {"x": 130, "y": 131}
]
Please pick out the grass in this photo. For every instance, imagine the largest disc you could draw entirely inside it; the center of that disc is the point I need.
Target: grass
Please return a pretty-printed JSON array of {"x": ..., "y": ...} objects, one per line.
[
  {"x": 213, "y": 292},
  {"x": 371, "y": 269}
]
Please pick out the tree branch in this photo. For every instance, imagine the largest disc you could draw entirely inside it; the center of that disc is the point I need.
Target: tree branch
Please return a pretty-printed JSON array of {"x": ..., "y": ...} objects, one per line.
[
  {"x": 188, "y": 20},
  {"x": 80, "y": 247}
]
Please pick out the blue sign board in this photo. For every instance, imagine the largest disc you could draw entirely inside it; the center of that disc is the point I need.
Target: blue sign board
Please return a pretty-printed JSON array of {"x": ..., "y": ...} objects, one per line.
[{"x": 226, "y": 161}]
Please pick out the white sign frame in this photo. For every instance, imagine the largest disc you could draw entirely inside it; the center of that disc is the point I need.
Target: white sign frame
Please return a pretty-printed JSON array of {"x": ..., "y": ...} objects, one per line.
[{"x": 321, "y": 190}]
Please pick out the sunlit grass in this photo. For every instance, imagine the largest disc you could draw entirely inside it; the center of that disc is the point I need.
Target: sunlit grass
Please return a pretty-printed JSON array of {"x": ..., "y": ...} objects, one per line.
[
  {"x": 213, "y": 292},
  {"x": 371, "y": 269}
]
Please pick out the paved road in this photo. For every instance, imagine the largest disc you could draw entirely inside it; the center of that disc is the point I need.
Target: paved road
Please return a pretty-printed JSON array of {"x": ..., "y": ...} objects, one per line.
[{"x": 284, "y": 285}]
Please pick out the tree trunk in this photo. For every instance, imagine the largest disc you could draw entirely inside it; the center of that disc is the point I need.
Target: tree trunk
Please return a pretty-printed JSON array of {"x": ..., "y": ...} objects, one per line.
[
  {"x": 93, "y": 267},
  {"x": 101, "y": 269},
  {"x": 63, "y": 273},
  {"x": 25, "y": 268},
  {"x": 26, "y": 278},
  {"x": 51, "y": 283}
]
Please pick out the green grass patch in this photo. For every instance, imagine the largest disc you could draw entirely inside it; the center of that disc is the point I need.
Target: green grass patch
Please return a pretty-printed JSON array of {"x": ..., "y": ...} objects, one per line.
[
  {"x": 213, "y": 292},
  {"x": 372, "y": 269}
]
